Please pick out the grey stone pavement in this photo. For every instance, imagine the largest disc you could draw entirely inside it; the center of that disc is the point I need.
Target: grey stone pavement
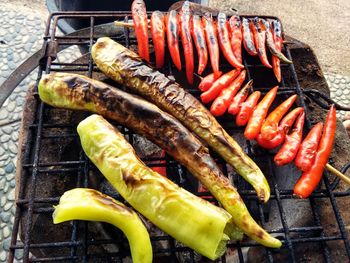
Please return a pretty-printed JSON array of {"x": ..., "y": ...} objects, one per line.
[{"x": 20, "y": 36}]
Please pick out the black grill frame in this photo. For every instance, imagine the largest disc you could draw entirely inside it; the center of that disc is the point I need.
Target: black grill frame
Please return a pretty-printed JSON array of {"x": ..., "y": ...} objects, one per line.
[{"x": 82, "y": 164}]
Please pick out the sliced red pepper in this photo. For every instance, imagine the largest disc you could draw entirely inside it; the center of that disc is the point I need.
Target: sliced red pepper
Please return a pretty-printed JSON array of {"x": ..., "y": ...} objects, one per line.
[
  {"x": 139, "y": 17},
  {"x": 273, "y": 143},
  {"x": 158, "y": 36},
  {"x": 239, "y": 98},
  {"x": 222, "y": 102},
  {"x": 256, "y": 120},
  {"x": 199, "y": 41},
  {"x": 212, "y": 42},
  {"x": 259, "y": 39},
  {"x": 270, "y": 127},
  {"x": 208, "y": 81},
  {"x": 247, "y": 108},
  {"x": 173, "y": 38},
  {"x": 291, "y": 145},
  {"x": 308, "y": 148},
  {"x": 248, "y": 38},
  {"x": 236, "y": 37},
  {"x": 310, "y": 179},
  {"x": 289, "y": 119},
  {"x": 219, "y": 85},
  {"x": 224, "y": 41},
  {"x": 277, "y": 37}
]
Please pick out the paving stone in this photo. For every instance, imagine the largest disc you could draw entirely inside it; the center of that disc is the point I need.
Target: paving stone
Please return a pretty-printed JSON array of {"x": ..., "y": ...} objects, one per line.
[
  {"x": 3, "y": 256},
  {"x": 4, "y": 138},
  {"x": 9, "y": 168},
  {"x": 5, "y": 217},
  {"x": 6, "y": 231},
  {"x": 8, "y": 206}
]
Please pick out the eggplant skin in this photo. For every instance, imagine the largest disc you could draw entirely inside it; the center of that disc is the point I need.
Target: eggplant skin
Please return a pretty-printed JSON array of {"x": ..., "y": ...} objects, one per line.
[{"x": 126, "y": 67}]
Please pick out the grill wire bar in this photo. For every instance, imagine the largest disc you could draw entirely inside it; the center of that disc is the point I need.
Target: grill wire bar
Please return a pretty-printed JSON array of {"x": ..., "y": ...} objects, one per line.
[{"x": 79, "y": 248}]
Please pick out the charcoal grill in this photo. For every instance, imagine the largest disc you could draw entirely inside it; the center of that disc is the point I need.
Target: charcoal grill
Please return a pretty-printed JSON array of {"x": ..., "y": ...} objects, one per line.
[{"x": 43, "y": 130}]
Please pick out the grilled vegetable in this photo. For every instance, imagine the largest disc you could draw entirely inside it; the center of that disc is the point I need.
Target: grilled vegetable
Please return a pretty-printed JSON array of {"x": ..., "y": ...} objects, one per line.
[
  {"x": 260, "y": 38},
  {"x": 124, "y": 66},
  {"x": 212, "y": 42},
  {"x": 239, "y": 98},
  {"x": 188, "y": 218},
  {"x": 310, "y": 179},
  {"x": 278, "y": 41},
  {"x": 158, "y": 36},
  {"x": 172, "y": 33},
  {"x": 247, "y": 108},
  {"x": 91, "y": 205},
  {"x": 224, "y": 42},
  {"x": 70, "y": 91},
  {"x": 288, "y": 120},
  {"x": 248, "y": 38},
  {"x": 208, "y": 81},
  {"x": 236, "y": 37},
  {"x": 273, "y": 143},
  {"x": 139, "y": 17},
  {"x": 199, "y": 41}
]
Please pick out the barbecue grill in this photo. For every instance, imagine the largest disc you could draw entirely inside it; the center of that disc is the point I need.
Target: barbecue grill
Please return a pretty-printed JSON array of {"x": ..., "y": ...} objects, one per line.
[{"x": 48, "y": 127}]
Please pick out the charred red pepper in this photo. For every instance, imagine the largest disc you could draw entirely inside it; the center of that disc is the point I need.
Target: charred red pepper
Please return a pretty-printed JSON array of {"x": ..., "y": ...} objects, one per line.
[
  {"x": 224, "y": 41},
  {"x": 199, "y": 41},
  {"x": 158, "y": 36},
  {"x": 288, "y": 121},
  {"x": 308, "y": 148},
  {"x": 222, "y": 102},
  {"x": 236, "y": 37},
  {"x": 259, "y": 34},
  {"x": 270, "y": 127},
  {"x": 273, "y": 143},
  {"x": 248, "y": 38},
  {"x": 247, "y": 108},
  {"x": 219, "y": 85},
  {"x": 212, "y": 42},
  {"x": 139, "y": 17},
  {"x": 239, "y": 98},
  {"x": 173, "y": 38},
  {"x": 256, "y": 120},
  {"x": 310, "y": 179},
  {"x": 277, "y": 37},
  {"x": 291, "y": 145},
  {"x": 208, "y": 81}
]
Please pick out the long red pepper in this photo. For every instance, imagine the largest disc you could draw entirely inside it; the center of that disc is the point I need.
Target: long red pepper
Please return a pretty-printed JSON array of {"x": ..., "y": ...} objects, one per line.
[
  {"x": 236, "y": 37},
  {"x": 224, "y": 41},
  {"x": 219, "y": 85},
  {"x": 248, "y": 38},
  {"x": 208, "y": 81},
  {"x": 308, "y": 148},
  {"x": 277, "y": 37},
  {"x": 291, "y": 145},
  {"x": 273, "y": 143},
  {"x": 139, "y": 17},
  {"x": 270, "y": 127},
  {"x": 173, "y": 38},
  {"x": 310, "y": 179},
  {"x": 288, "y": 120},
  {"x": 239, "y": 98},
  {"x": 260, "y": 39},
  {"x": 256, "y": 120},
  {"x": 199, "y": 41},
  {"x": 212, "y": 42},
  {"x": 247, "y": 108},
  {"x": 158, "y": 36}
]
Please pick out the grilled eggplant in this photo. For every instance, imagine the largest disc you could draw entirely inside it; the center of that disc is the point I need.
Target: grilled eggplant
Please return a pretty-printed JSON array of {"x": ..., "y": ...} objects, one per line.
[{"x": 126, "y": 67}]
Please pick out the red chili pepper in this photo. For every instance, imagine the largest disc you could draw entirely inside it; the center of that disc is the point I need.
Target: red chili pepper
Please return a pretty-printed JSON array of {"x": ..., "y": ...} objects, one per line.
[
  {"x": 212, "y": 42},
  {"x": 260, "y": 38},
  {"x": 291, "y": 145},
  {"x": 308, "y": 148},
  {"x": 273, "y": 143},
  {"x": 222, "y": 102},
  {"x": 288, "y": 120},
  {"x": 173, "y": 38},
  {"x": 224, "y": 42},
  {"x": 256, "y": 120},
  {"x": 158, "y": 36},
  {"x": 247, "y": 108},
  {"x": 310, "y": 179},
  {"x": 199, "y": 41},
  {"x": 219, "y": 85},
  {"x": 208, "y": 81},
  {"x": 236, "y": 37},
  {"x": 237, "y": 100},
  {"x": 248, "y": 38},
  {"x": 139, "y": 17},
  {"x": 270, "y": 127},
  {"x": 277, "y": 37}
]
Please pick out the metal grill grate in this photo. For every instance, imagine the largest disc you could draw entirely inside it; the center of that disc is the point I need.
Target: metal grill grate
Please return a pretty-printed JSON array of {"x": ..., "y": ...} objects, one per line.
[{"x": 30, "y": 203}]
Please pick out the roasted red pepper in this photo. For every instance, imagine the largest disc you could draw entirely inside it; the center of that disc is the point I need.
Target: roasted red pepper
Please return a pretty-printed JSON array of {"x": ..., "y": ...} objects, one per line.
[
  {"x": 273, "y": 143},
  {"x": 219, "y": 85},
  {"x": 310, "y": 179},
  {"x": 224, "y": 41},
  {"x": 236, "y": 37},
  {"x": 270, "y": 127},
  {"x": 239, "y": 98},
  {"x": 208, "y": 81},
  {"x": 256, "y": 120},
  {"x": 308, "y": 148},
  {"x": 199, "y": 41},
  {"x": 247, "y": 108},
  {"x": 288, "y": 121},
  {"x": 212, "y": 42},
  {"x": 277, "y": 37},
  {"x": 173, "y": 38},
  {"x": 158, "y": 36},
  {"x": 248, "y": 38},
  {"x": 139, "y": 17},
  {"x": 259, "y": 34},
  {"x": 291, "y": 145},
  {"x": 222, "y": 102}
]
